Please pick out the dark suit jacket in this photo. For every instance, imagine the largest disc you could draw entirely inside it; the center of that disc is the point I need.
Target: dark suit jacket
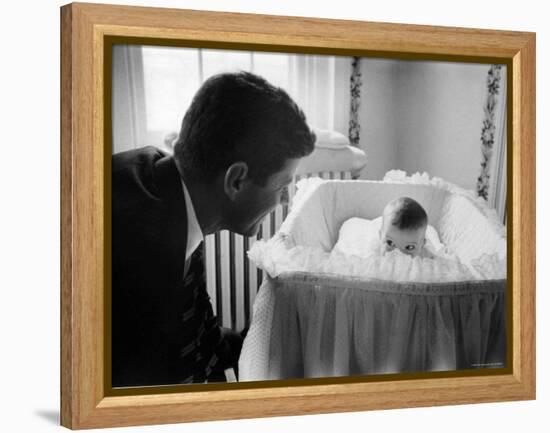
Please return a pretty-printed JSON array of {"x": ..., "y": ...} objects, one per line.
[{"x": 149, "y": 296}]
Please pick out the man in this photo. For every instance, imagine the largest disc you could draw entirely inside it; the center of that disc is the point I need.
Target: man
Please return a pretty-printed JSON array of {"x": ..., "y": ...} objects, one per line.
[{"x": 240, "y": 142}]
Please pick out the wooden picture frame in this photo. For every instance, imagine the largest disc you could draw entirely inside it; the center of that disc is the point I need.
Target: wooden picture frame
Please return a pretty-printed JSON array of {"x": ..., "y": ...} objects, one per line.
[{"x": 86, "y": 30}]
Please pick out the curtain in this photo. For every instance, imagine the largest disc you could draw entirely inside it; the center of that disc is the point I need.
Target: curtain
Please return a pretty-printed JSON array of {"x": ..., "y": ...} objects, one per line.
[
  {"x": 355, "y": 102},
  {"x": 491, "y": 183}
]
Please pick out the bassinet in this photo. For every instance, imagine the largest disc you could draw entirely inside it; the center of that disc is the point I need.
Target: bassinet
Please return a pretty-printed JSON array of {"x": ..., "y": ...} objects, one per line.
[{"x": 315, "y": 318}]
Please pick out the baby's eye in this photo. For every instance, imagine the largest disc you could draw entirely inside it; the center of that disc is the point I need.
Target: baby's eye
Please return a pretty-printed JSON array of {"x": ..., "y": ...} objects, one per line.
[
  {"x": 410, "y": 247},
  {"x": 389, "y": 242}
]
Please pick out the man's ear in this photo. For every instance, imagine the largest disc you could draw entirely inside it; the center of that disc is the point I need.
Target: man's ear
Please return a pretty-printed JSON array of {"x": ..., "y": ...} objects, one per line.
[{"x": 234, "y": 180}]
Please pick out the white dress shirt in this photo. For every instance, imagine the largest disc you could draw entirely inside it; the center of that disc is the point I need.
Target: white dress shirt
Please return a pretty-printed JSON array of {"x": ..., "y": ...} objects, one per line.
[{"x": 194, "y": 232}]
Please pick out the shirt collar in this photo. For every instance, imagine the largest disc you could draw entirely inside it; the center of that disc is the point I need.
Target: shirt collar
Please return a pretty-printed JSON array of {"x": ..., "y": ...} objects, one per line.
[{"x": 194, "y": 232}]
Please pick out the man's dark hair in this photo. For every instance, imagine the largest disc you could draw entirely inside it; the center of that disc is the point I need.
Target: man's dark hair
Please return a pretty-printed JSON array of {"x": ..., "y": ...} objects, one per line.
[
  {"x": 406, "y": 214},
  {"x": 241, "y": 117}
]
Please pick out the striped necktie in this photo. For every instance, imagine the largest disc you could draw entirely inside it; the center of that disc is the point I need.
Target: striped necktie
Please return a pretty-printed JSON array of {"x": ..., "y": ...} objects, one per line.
[{"x": 202, "y": 334}]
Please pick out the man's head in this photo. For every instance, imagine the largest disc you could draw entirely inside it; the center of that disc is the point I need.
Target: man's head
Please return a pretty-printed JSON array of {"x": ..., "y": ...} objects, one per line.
[
  {"x": 404, "y": 223},
  {"x": 243, "y": 136}
]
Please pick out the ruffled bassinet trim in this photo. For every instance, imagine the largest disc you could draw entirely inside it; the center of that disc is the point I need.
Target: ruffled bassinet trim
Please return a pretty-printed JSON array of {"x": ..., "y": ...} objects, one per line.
[
  {"x": 276, "y": 258},
  {"x": 279, "y": 254}
]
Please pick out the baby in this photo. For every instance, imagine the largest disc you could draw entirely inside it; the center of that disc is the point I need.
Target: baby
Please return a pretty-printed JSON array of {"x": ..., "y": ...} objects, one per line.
[{"x": 404, "y": 224}]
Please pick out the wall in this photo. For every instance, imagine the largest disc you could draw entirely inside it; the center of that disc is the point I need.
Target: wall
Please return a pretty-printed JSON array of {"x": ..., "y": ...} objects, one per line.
[
  {"x": 423, "y": 116},
  {"x": 378, "y": 136}
]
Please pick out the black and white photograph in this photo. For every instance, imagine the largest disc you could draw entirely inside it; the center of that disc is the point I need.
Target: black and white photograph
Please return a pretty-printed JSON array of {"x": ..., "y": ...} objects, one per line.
[
  {"x": 249, "y": 216},
  {"x": 283, "y": 216}
]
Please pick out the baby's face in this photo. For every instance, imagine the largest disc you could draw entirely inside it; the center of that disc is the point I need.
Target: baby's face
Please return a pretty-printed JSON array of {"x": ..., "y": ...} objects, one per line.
[{"x": 409, "y": 242}]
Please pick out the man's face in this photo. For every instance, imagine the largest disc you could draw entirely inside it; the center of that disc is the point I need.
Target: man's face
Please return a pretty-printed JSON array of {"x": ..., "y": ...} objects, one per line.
[
  {"x": 255, "y": 202},
  {"x": 409, "y": 242}
]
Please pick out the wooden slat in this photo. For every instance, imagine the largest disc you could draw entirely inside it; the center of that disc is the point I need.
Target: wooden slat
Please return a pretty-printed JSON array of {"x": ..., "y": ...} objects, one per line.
[
  {"x": 225, "y": 271},
  {"x": 247, "y": 306},
  {"x": 218, "y": 277},
  {"x": 232, "y": 280},
  {"x": 239, "y": 283},
  {"x": 68, "y": 356},
  {"x": 210, "y": 269},
  {"x": 262, "y": 234},
  {"x": 310, "y": 34},
  {"x": 523, "y": 217},
  {"x": 253, "y": 276}
]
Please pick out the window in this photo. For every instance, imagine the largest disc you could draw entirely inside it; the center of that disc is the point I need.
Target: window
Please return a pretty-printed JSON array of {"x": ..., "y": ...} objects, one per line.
[{"x": 153, "y": 86}]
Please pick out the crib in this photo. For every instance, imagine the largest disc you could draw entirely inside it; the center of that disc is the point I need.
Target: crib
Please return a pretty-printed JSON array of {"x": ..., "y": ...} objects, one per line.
[{"x": 321, "y": 323}]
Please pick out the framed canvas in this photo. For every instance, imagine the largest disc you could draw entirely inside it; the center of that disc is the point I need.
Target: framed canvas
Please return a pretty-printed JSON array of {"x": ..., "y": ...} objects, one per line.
[{"x": 97, "y": 42}]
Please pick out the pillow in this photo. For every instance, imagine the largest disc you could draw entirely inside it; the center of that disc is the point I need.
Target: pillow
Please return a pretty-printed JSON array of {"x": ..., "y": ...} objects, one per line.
[{"x": 329, "y": 139}]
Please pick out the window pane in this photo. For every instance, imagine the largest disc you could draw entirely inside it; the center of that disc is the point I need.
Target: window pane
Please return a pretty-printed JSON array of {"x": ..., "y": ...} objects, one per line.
[
  {"x": 171, "y": 78},
  {"x": 217, "y": 61},
  {"x": 274, "y": 67}
]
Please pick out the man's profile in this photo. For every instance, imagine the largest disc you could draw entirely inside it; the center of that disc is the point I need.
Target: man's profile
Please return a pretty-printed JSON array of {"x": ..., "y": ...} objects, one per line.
[{"x": 239, "y": 144}]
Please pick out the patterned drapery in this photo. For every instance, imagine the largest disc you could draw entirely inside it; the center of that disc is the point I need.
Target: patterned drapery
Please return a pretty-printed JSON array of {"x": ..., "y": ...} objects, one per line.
[
  {"x": 355, "y": 101},
  {"x": 488, "y": 130}
]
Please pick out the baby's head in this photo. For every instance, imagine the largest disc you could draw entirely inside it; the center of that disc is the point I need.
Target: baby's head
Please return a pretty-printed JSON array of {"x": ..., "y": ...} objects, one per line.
[{"x": 404, "y": 223}]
